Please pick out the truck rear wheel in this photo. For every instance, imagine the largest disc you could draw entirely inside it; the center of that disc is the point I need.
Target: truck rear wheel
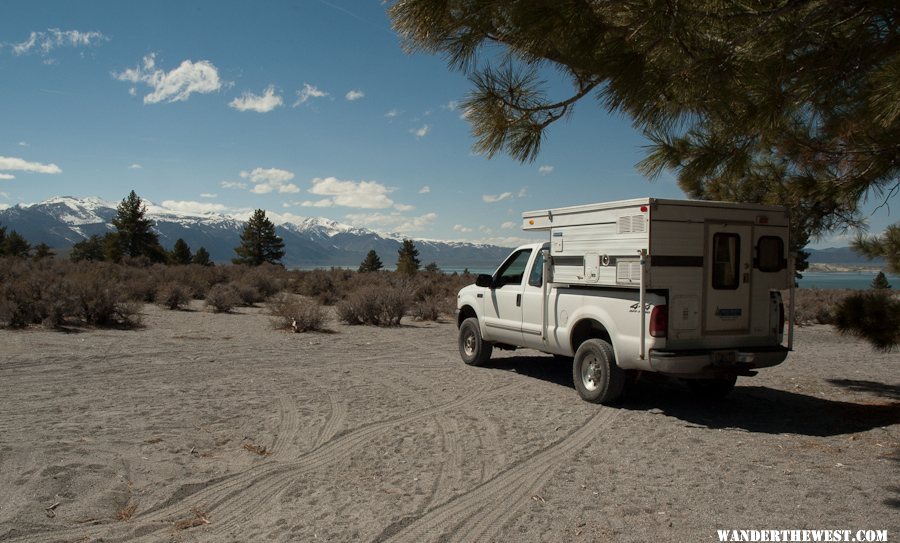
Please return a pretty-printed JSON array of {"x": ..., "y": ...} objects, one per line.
[
  {"x": 472, "y": 347},
  {"x": 597, "y": 377}
]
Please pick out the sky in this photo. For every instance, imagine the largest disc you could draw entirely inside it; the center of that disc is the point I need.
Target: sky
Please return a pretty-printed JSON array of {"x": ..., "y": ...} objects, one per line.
[{"x": 302, "y": 108}]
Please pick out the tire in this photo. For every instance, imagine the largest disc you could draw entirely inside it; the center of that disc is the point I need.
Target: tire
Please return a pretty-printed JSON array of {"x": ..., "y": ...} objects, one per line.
[
  {"x": 597, "y": 377},
  {"x": 474, "y": 350},
  {"x": 712, "y": 389}
]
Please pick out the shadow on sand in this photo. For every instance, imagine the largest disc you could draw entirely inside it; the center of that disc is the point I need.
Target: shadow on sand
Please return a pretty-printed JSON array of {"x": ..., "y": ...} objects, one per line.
[{"x": 751, "y": 408}]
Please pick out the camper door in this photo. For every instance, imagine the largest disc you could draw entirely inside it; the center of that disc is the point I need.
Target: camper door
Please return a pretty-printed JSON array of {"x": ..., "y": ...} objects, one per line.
[{"x": 727, "y": 283}]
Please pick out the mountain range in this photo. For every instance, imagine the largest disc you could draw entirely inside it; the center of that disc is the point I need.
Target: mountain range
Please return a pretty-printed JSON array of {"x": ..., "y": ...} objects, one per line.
[{"x": 311, "y": 242}]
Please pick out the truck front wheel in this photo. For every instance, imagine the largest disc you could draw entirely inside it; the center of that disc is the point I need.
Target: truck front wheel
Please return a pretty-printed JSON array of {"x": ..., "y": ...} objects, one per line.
[
  {"x": 472, "y": 347},
  {"x": 597, "y": 377}
]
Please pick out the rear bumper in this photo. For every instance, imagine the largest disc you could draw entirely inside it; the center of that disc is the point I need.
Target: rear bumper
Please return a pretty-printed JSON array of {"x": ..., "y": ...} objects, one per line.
[{"x": 711, "y": 363}]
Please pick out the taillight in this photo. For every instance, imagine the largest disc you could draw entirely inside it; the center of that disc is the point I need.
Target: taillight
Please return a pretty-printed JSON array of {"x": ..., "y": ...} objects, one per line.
[
  {"x": 659, "y": 321},
  {"x": 781, "y": 317}
]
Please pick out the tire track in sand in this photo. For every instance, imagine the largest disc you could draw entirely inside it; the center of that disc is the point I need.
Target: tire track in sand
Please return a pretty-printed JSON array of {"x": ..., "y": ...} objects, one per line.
[
  {"x": 288, "y": 427},
  {"x": 450, "y": 475},
  {"x": 481, "y": 513},
  {"x": 229, "y": 502},
  {"x": 334, "y": 422}
]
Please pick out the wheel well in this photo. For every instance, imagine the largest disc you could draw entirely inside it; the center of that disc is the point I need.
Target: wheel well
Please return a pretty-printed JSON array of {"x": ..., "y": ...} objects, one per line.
[
  {"x": 465, "y": 312},
  {"x": 588, "y": 329}
]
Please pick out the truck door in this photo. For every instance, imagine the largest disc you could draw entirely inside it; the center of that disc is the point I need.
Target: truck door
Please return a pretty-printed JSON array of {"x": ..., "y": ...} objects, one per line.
[
  {"x": 728, "y": 275},
  {"x": 503, "y": 303},
  {"x": 532, "y": 303}
]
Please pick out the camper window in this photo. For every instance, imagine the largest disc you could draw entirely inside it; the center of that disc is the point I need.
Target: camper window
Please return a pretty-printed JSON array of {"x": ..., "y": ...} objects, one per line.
[
  {"x": 769, "y": 251},
  {"x": 726, "y": 261},
  {"x": 513, "y": 269}
]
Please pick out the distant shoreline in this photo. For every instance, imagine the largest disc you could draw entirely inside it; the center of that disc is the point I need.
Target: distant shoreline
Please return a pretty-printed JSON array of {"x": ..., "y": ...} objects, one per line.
[{"x": 845, "y": 268}]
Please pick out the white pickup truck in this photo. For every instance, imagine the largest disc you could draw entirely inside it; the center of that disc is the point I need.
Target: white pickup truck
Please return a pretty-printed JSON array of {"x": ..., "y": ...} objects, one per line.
[{"x": 708, "y": 276}]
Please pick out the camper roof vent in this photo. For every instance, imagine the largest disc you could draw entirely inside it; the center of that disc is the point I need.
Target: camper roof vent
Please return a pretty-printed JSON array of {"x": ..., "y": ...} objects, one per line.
[{"x": 632, "y": 224}]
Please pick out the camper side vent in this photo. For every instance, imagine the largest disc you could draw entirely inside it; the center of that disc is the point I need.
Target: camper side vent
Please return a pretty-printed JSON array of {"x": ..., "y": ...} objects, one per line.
[
  {"x": 632, "y": 224},
  {"x": 628, "y": 271}
]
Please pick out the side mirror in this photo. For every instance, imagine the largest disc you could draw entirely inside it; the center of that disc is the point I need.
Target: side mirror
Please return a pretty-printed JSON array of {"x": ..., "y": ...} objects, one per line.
[{"x": 484, "y": 280}]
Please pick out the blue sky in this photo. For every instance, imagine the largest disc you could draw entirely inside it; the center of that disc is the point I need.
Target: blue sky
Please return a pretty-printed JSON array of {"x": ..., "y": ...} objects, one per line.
[{"x": 304, "y": 108}]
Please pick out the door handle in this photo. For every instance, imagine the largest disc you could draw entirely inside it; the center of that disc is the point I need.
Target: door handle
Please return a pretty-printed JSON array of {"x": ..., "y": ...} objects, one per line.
[{"x": 518, "y": 300}]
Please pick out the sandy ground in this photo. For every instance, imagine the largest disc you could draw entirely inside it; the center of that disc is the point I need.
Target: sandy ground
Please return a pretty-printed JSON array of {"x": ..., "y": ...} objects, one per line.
[{"x": 202, "y": 427}]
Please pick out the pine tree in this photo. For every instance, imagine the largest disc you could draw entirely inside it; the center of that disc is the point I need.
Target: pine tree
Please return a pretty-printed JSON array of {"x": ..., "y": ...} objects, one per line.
[
  {"x": 2, "y": 241},
  {"x": 259, "y": 243},
  {"x": 880, "y": 282},
  {"x": 15, "y": 245},
  {"x": 887, "y": 245},
  {"x": 201, "y": 257},
  {"x": 90, "y": 249},
  {"x": 408, "y": 258},
  {"x": 793, "y": 103},
  {"x": 42, "y": 250},
  {"x": 135, "y": 234},
  {"x": 181, "y": 253},
  {"x": 432, "y": 267},
  {"x": 371, "y": 263}
]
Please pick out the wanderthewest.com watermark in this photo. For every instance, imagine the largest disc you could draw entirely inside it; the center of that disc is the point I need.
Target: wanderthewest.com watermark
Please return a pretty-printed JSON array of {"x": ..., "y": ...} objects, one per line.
[{"x": 762, "y": 536}]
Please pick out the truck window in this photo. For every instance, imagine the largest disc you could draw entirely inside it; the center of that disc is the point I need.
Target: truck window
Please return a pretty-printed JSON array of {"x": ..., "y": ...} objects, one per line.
[
  {"x": 726, "y": 261},
  {"x": 537, "y": 271},
  {"x": 514, "y": 269},
  {"x": 769, "y": 251}
]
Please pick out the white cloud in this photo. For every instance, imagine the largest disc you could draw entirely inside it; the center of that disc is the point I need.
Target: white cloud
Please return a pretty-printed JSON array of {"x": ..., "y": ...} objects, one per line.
[
  {"x": 522, "y": 192},
  {"x": 185, "y": 206},
  {"x": 392, "y": 113},
  {"x": 308, "y": 91},
  {"x": 508, "y": 225},
  {"x": 176, "y": 85},
  {"x": 4, "y": 206},
  {"x": 354, "y": 95},
  {"x": 54, "y": 38},
  {"x": 545, "y": 169},
  {"x": 361, "y": 194},
  {"x": 461, "y": 228},
  {"x": 6, "y": 176},
  {"x": 208, "y": 195},
  {"x": 12, "y": 163},
  {"x": 452, "y": 105},
  {"x": 425, "y": 190},
  {"x": 394, "y": 221},
  {"x": 232, "y": 185},
  {"x": 23, "y": 144},
  {"x": 490, "y": 198},
  {"x": 318, "y": 203},
  {"x": 135, "y": 166},
  {"x": 420, "y": 132},
  {"x": 404, "y": 207},
  {"x": 261, "y": 104},
  {"x": 267, "y": 180}
]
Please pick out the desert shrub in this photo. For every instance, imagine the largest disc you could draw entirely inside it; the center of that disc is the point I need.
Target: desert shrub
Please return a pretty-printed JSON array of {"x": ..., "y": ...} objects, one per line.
[
  {"x": 378, "y": 306},
  {"x": 247, "y": 293},
  {"x": 426, "y": 310},
  {"x": 100, "y": 301},
  {"x": 267, "y": 279},
  {"x": 173, "y": 296},
  {"x": 296, "y": 313},
  {"x": 319, "y": 284},
  {"x": 222, "y": 298},
  {"x": 815, "y": 306}
]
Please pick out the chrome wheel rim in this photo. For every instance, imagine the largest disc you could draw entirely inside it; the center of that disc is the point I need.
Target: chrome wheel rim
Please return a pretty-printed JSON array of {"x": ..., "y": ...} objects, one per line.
[
  {"x": 590, "y": 373},
  {"x": 469, "y": 344}
]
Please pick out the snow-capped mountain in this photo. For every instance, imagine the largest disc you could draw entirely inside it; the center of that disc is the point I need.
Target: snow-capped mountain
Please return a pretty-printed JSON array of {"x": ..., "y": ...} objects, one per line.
[{"x": 313, "y": 241}]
